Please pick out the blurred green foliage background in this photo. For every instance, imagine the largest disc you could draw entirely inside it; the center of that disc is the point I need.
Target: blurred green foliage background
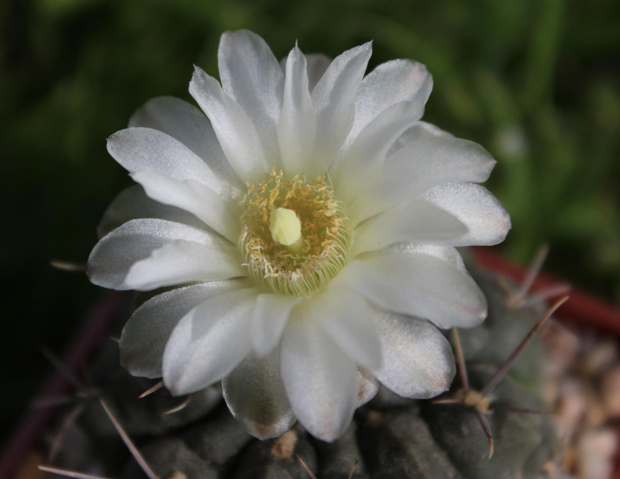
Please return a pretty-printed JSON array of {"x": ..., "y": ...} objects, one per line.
[{"x": 534, "y": 81}]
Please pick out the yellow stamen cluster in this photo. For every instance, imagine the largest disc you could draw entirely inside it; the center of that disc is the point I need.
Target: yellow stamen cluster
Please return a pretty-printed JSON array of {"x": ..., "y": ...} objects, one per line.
[{"x": 323, "y": 244}]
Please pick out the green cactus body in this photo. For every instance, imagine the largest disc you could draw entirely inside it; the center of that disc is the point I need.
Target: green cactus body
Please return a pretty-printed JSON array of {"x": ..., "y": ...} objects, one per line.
[{"x": 390, "y": 438}]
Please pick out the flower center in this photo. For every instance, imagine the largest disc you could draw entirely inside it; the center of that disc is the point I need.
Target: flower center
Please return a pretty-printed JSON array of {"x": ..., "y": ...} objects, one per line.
[{"x": 294, "y": 235}]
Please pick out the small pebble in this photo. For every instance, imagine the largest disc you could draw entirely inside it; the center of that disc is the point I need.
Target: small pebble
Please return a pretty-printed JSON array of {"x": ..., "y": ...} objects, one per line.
[
  {"x": 596, "y": 414},
  {"x": 563, "y": 346},
  {"x": 572, "y": 406},
  {"x": 595, "y": 453},
  {"x": 610, "y": 391},
  {"x": 601, "y": 356}
]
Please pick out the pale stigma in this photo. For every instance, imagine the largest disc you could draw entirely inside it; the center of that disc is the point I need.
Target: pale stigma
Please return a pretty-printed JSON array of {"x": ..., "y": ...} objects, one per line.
[{"x": 284, "y": 226}]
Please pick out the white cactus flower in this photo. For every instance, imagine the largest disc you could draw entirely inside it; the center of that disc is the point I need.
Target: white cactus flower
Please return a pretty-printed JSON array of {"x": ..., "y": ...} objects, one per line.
[{"x": 307, "y": 222}]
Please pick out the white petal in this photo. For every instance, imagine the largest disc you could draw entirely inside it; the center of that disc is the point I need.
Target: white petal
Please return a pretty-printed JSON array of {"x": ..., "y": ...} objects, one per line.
[
  {"x": 486, "y": 219},
  {"x": 297, "y": 126},
  {"x": 405, "y": 281},
  {"x": 234, "y": 129},
  {"x": 364, "y": 158},
  {"x": 115, "y": 253},
  {"x": 319, "y": 380},
  {"x": 334, "y": 100},
  {"x": 392, "y": 82},
  {"x": 418, "y": 131},
  {"x": 269, "y": 318},
  {"x": 194, "y": 197},
  {"x": 251, "y": 75},
  {"x": 144, "y": 149},
  {"x": 190, "y": 126},
  {"x": 437, "y": 157},
  {"x": 255, "y": 396},
  {"x": 317, "y": 66},
  {"x": 132, "y": 203},
  {"x": 429, "y": 157},
  {"x": 209, "y": 342},
  {"x": 181, "y": 262},
  {"x": 145, "y": 335},
  {"x": 444, "y": 253},
  {"x": 416, "y": 221},
  {"x": 417, "y": 359},
  {"x": 347, "y": 318}
]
